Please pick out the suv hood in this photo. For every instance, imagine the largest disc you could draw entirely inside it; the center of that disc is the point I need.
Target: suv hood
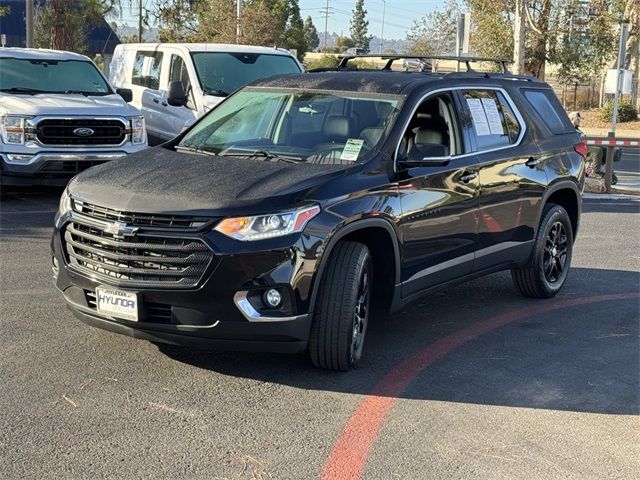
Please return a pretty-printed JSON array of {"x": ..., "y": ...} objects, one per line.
[
  {"x": 159, "y": 180},
  {"x": 65, "y": 105}
]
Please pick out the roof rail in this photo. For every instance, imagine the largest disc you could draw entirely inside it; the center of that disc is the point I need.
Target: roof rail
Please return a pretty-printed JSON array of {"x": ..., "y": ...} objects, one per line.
[{"x": 344, "y": 60}]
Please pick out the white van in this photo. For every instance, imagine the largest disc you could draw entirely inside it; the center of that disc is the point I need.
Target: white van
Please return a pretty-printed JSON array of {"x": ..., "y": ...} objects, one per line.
[{"x": 173, "y": 84}]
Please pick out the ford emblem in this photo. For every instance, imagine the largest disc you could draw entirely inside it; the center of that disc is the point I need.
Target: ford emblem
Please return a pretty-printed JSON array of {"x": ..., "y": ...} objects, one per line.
[{"x": 83, "y": 132}]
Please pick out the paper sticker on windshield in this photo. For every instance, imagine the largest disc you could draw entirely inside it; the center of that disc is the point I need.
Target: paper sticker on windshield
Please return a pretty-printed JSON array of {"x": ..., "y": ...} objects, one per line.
[
  {"x": 352, "y": 150},
  {"x": 479, "y": 117},
  {"x": 493, "y": 116}
]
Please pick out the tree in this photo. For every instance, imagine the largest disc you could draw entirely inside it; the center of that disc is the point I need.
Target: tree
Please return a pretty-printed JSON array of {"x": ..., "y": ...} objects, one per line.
[
  {"x": 360, "y": 27},
  {"x": 294, "y": 34},
  {"x": 311, "y": 34},
  {"x": 435, "y": 33},
  {"x": 7, "y": 10},
  {"x": 343, "y": 44}
]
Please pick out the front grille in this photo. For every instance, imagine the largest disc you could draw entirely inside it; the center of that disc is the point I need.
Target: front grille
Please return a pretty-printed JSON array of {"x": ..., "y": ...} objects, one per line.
[
  {"x": 182, "y": 222},
  {"x": 141, "y": 260},
  {"x": 61, "y": 132},
  {"x": 153, "y": 312}
]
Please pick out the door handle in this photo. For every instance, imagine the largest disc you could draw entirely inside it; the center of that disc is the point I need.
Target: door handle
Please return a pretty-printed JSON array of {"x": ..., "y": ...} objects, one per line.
[
  {"x": 155, "y": 100},
  {"x": 533, "y": 162},
  {"x": 466, "y": 177},
  {"x": 164, "y": 104}
]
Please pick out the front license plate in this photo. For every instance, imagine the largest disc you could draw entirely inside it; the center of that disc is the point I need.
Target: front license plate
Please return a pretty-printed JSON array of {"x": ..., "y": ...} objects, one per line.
[{"x": 116, "y": 303}]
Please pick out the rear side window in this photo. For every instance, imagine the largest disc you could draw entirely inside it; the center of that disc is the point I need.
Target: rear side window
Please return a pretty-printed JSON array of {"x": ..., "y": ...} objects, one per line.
[
  {"x": 494, "y": 122},
  {"x": 546, "y": 104},
  {"x": 146, "y": 69}
]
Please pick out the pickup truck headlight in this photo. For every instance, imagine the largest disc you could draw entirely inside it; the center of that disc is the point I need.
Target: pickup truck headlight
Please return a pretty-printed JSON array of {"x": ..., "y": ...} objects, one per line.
[
  {"x": 65, "y": 203},
  {"x": 260, "y": 227},
  {"x": 138, "y": 133},
  {"x": 13, "y": 129}
]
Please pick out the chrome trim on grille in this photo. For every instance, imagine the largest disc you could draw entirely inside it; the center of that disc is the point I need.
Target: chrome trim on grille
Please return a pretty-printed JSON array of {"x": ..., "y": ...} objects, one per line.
[{"x": 148, "y": 258}]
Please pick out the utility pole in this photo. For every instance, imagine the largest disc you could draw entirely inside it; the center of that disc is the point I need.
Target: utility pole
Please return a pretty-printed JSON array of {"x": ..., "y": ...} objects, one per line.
[
  {"x": 139, "y": 21},
  {"x": 238, "y": 17},
  {"x": 326, "y": 26},
  {"x": 29, "y": 23},
  {"x": 519, "y": 37},
  {"x": 384, "y": 7}
]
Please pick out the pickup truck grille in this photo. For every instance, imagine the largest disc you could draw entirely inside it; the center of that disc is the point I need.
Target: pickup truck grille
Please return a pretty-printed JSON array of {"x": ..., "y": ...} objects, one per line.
[
  {"x": 81, "y": 132},
  {"x": 138, "y": 260}
]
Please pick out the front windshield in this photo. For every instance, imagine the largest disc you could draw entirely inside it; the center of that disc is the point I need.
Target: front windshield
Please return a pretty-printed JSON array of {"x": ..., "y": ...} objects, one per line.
[
  {"x": 51, "y": 76},
  {"x": 222, "y": 73},
  {"x": 294, "y": 125}
]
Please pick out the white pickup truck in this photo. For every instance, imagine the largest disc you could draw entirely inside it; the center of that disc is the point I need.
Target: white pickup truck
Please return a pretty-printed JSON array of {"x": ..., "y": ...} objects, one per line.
[{"x": 58, "y": 116}]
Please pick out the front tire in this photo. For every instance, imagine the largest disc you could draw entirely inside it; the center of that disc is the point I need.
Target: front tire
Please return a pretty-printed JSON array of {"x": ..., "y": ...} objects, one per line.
[
  {"x": 549, "y": 265},
  {"x": 342, "y": 309}
]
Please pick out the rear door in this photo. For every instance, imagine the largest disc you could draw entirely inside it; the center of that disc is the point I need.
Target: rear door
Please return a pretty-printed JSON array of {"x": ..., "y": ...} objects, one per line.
[
  {"x": 145, "y": 80},
  {"x": 512, "y": 180},
  {"x": 439, "y": 203}
]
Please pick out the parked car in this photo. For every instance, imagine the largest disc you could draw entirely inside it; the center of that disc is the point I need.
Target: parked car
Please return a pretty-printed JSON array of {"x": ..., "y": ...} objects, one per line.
[
  {"x": 58, "y": 116},
  {"x": 355, "y": 51},
  {"x": 174, "y": 84},
  {"x": 302, "y": 203},
  {"x": 416, "y": 65}
]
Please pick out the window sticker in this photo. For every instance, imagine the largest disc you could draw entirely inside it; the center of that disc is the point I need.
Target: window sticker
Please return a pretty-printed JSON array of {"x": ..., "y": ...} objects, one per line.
[
  {"x": 352, "y": 150},
  {"x": 479, "y": 117},
  {"x": 493, "y": 116}
]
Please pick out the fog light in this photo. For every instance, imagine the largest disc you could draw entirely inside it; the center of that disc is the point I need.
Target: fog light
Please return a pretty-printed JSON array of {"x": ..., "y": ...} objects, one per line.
[
  {"x": 22, "y": 158},
  {"x": 273, "y": 298}
]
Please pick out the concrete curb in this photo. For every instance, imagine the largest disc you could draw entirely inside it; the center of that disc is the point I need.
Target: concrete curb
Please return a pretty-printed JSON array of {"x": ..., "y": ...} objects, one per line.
[{"x": 610, "y": 196}]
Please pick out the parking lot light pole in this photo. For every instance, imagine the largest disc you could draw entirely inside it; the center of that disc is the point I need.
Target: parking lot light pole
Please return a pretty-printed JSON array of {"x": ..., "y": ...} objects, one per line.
[
  {"x": 384, "y": 7},
  {"x": 29, "y": 23}
]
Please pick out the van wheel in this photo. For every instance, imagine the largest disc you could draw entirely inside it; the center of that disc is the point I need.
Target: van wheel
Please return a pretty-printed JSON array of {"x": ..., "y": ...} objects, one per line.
[
  {"x": 342, "y": 310},
  {"x": 551, "y": 257}
]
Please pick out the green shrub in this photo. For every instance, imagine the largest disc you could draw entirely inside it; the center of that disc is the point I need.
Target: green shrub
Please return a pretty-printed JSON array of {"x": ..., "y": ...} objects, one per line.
[
  {"x": 325, "y": 61},
  {"x": 626, "y": 112}
]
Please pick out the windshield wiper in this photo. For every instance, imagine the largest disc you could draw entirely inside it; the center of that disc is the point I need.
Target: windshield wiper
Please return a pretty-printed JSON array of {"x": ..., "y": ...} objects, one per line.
[
  {"x": 22, "y": 90},
  {"x": 263, "y": 154},
  {"x": 198, "y": 151},
  {"x": 215, "y": 91}
]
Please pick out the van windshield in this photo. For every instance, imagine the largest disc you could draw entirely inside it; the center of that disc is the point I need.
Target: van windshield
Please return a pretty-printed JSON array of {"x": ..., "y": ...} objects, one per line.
[
  {"x": 221, "y": 73},
  {"x": 324, "y": 127},
  {"x": 31, "y": 76}
]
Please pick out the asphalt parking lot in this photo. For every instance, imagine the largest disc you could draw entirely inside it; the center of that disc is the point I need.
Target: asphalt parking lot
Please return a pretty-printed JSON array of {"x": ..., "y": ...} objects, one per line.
[{"x": 471, "y": 382}]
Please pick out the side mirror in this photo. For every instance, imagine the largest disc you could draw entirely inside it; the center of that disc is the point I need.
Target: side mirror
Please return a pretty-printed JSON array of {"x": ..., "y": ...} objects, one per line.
[
  {"x": 177, "y": 96},
  {"x": 125, "y": 93},
  {"x": 427, "y": 155}
]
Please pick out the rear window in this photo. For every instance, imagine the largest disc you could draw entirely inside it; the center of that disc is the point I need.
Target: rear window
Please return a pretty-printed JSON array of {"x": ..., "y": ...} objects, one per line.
[
  {"x": 546, "y": 104},
  {"x": 146, "y": 69}
]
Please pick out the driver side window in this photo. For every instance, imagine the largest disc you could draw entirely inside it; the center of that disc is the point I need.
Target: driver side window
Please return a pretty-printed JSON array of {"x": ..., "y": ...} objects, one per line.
[
  {"x": 178, "y": 72},
  {"x": 433, "y": 128}
]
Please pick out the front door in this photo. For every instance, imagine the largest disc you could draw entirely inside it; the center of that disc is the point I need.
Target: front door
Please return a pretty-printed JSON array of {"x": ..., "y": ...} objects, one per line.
[
  {"x": 439, "y": 203},
  {"x": 180, "y": 117}
]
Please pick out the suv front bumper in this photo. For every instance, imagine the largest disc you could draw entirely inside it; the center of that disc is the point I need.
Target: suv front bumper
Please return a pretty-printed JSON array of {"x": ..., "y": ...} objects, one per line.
[{"x": 221, "y": 312}]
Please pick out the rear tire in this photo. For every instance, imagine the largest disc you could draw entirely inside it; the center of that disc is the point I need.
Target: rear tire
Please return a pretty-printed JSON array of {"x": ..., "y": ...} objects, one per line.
[
  {"x": 551, "y": 257},
  {"x": 342, "y": 308}
]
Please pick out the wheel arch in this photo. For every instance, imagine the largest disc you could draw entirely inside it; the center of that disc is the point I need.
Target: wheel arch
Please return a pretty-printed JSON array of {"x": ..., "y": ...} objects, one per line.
[
  {"x": 378, "y": 235},
  {"x": 567, "y": 195}
]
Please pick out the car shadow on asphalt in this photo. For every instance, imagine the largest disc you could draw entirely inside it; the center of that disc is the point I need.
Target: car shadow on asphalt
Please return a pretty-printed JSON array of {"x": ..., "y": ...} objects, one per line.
[{"x": 582, "y": 358}]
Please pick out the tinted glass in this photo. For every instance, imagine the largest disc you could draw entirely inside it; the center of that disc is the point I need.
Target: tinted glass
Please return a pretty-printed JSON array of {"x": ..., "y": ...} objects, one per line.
[
  {"x": 223, "y": 73},
  {"x": 313, "y": 127},
  {"x": 146, "y": 69},
  {"x": 52, "y": 76},
  {"x": 494, "y": 122},
  {"x": 548, "y": 107}
]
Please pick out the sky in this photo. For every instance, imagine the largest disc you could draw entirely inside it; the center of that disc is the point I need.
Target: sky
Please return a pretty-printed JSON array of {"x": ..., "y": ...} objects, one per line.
[{"x": 399, "y": 15}]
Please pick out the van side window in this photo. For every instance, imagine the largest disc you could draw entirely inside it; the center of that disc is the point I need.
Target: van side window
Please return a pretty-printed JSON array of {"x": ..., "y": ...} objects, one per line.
[
  {"x": 178, "y": 73},
  {"x": 494, "y": 121},
  {"x": 546, "y": 104},
  {"x": 146, "y": 69}
]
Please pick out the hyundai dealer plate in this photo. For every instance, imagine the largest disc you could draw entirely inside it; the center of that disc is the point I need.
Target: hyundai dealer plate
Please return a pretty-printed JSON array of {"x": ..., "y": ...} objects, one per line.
[{"x": 116, "y": 303}]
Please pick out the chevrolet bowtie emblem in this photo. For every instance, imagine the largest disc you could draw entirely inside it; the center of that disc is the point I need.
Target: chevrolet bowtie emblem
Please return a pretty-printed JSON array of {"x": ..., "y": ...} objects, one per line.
[{"x": 120, "y": 230}]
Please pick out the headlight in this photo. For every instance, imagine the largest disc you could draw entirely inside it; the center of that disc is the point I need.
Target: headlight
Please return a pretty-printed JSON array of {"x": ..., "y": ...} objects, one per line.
[
  {"x": 266, "y": 226},
  {"x": 13, "y": 129},
  {"x": 138, "y": 134},
  {"x": 65, "y": 203}
]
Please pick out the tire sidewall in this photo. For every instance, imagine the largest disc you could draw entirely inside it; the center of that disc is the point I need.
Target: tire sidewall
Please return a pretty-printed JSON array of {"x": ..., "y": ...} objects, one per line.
[{"x": 554, "y": 214}]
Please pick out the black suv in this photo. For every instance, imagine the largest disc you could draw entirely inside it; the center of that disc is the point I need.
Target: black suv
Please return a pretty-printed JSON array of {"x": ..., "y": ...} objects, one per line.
[{"x": 301, "y": 203}]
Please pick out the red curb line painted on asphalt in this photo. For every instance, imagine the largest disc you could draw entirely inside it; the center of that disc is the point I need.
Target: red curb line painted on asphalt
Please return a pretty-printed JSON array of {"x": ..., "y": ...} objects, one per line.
[{"x": 348, "y": 457}]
